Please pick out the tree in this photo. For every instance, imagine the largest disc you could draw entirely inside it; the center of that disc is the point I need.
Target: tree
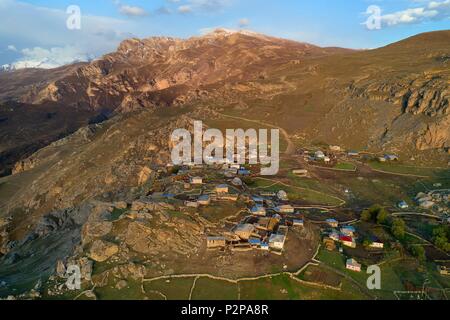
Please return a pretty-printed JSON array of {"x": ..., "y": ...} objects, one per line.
[
  {"x": 441, "y": 231},
  {"x": 376, "y": 213},
  {"x": 366, "y": 215},
  {"x": 440, "y": 238},
  {"x": 419, "y": 252},
  {"x": 398, "y": 228},
  {"x": 382, "y": 216},
  {"x": 367, "y": 243}
]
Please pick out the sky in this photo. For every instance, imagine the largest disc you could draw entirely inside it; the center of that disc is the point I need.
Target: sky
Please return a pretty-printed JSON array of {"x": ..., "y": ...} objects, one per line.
[{"x": 50, "y": 33}]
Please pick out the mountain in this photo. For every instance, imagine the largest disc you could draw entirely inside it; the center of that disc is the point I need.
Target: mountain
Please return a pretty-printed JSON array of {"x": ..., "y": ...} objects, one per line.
[
  {"x": 396, "y": 98},
  {"x": 319, "y": 93},
  {"x": 160, "y": 71},
  {"x": 156, "y": 72},
  {"x": 392, "y": 99}
]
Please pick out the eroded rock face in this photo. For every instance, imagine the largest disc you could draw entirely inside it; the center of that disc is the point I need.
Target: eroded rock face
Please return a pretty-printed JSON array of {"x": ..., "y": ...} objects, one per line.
[
  {"x": 161, "y": 63},
  {"x": 139, "y": 238},
  {"x": 23, "y": 165},
  {"x": 101, "y": 250},
  {"x": 426, "y": 97},
  {"x": 144, "y": 175},
  {"x": 96, "y": 229},
  {"x": 436, "y": 135},
  {"x": 432, "y": 100},
  {"x": 182, "y": 237}
]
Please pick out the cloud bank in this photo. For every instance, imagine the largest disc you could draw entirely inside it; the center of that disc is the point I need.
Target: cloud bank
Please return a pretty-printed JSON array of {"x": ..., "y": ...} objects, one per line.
[
  {"x": 40, "y": 37},
  {"x": 431, "y": 10}
]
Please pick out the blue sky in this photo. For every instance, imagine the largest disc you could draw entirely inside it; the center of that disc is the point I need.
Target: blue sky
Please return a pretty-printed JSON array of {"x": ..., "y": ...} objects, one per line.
[{"x": 34, "y": 32}]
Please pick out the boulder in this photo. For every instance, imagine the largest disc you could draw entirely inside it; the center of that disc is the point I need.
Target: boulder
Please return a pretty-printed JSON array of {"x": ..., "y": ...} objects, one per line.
[
  {"x": 60, "y": 268},
  {"x": 86, "y": 268},
  {"x": 95, "y": 229},
  {"x": 139, "y": 238},
  {"x": 102, "y": 250},
  {"x": 144, "y": 175},
  {"x": 121, "y": 205},
  {"x": 121, "y": 284}
]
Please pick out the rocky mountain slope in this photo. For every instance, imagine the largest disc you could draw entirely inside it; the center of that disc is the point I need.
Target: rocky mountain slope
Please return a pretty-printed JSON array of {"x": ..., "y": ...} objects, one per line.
[
  {"x": 102, "y": 129},
  {"x": 392, "y": 99},
  {"x": 404, "y": 86},
  {"x": 166, "y": 71},
  {"x": 36, "y": 105}
]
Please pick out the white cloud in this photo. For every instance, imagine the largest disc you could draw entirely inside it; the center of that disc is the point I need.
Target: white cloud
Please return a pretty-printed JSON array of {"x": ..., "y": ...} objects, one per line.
[
  {"x": 132, "y": 11},
  {"x": 185, "y": 9},
  {"x": 12, "y": 47},
  {"x": 50, "y": 58},
  {"x": 43, "y": 31},
  {"x": 432, "y": 10},
  {"x": 201, "y": 5},
  {"x": 244, "y": 22},
  {"x": 210, "y": 4}
]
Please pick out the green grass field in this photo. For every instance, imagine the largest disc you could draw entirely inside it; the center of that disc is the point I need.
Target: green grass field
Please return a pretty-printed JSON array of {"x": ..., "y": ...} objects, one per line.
[
  {"x": 298, "y": 193},
  {"x": 220, "y": 211},
  {"x": 345, "y": 166},
  {"x": 174, "y": 289},
  {"x": 385, "y": 191},
  {"x": 285, "y": 288},
  {"x": 390, "y": 281},
  {"x": 410, "y": 170},
  {"x": 211, "y": 289},
  {"x": 132, "y": 291},
  {"x": 395, "y": 274}
]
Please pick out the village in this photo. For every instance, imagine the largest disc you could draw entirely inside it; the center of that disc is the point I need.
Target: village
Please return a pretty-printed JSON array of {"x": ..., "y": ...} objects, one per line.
[
  {"x": 268, "y": 217},
  {"x": 265, "y": 221},
  {"x": 228, "y": 221},
  {"x": 436, "y": 200}
]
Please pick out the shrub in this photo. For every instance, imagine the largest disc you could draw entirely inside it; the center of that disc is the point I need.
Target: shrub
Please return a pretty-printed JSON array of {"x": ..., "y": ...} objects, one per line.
[{"x": 398, "y": 228}]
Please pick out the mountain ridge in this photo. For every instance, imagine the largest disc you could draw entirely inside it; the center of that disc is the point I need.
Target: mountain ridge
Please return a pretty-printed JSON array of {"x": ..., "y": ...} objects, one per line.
[{"x": 163, "y": 72}]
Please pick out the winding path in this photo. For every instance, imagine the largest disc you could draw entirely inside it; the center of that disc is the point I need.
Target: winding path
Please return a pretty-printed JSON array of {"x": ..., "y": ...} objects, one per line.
[
  {"x": 290, "y": 147},
  {"x": 342, "y": 202}
]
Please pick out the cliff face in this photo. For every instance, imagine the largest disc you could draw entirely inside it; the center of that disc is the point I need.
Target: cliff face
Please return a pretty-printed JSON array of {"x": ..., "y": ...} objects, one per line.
[
  {"x": 431, "y": 98},
  {"x": 412, "y": 76},
  {"x": 427, "y": 98}
]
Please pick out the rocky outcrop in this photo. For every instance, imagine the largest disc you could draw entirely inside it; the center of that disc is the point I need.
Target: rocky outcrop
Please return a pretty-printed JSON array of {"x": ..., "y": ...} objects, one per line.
[
  {"x": 426, "y": 97},
  {"x": 435, "y": 136},
  {"x": 183, "y": 238},
  {"x": 101, "y": 250},
  {"x": 144, "y": 175},
  {"x": 431, "y": 99},
  {"x": 161, "y": 70},
  {"x": 96, "y": 229},
  {"x": 23, "y": 165}
]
